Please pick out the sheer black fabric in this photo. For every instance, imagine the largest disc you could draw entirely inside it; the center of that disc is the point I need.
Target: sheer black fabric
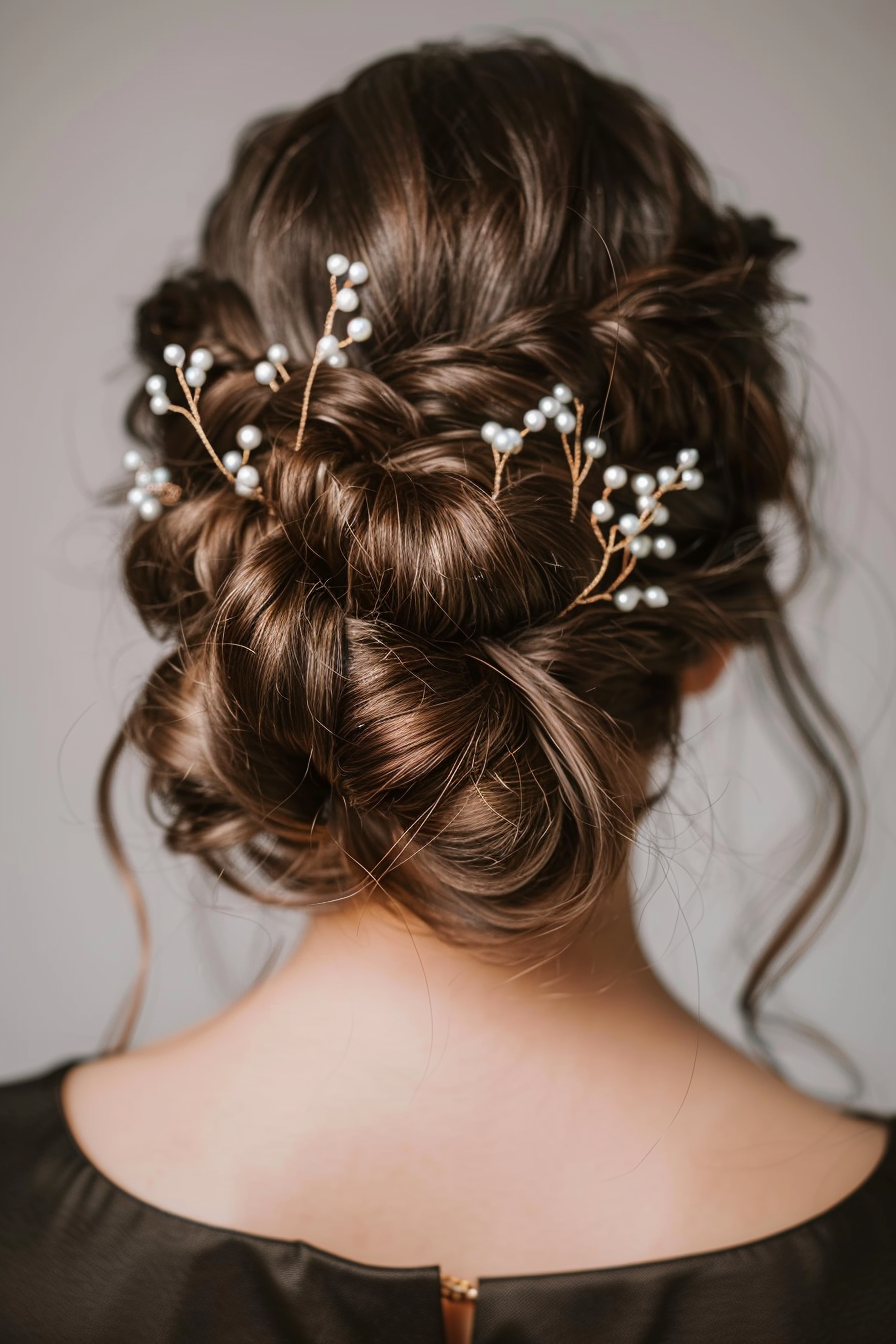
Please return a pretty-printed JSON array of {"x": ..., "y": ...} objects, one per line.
[{"x": 83, "y": 1262}]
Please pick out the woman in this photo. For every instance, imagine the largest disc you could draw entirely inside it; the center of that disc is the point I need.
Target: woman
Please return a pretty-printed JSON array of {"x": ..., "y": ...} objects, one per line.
[{"x": 455, "y": 452}]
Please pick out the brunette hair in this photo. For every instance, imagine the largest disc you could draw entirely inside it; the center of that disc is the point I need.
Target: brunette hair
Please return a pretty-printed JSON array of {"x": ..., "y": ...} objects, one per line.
[{"x": 369, "y": 686}]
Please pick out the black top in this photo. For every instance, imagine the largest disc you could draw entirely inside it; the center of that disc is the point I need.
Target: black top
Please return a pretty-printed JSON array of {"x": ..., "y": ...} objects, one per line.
[{"x": 83, "y": 1262}]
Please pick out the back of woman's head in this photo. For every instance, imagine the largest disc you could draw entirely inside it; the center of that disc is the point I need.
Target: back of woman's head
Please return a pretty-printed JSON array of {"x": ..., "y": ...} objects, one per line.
[{"x": 374, "y": 684}]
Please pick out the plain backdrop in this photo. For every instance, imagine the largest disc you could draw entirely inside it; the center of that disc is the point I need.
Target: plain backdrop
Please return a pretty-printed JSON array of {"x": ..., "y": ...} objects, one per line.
[{"x": 117, "y": 124}]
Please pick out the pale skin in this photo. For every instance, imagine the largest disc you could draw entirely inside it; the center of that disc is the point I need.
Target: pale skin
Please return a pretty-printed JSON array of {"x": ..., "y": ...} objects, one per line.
[{"x": 398, "y": 1101}]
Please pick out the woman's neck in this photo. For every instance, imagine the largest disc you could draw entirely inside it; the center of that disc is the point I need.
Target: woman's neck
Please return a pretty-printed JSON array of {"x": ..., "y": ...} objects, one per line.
[{"x": 373, "y": 985}]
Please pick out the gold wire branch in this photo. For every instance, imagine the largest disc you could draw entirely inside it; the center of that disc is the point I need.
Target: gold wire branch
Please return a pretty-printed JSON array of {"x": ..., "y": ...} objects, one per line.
[
  {"x": 192, "y": 414},
  {"x": 684, "y": 476},
  {"x": 318, "y": 357},
  {"x": 578, "y": 469},
  {"x": 626, "y": 537},
  {"x": 500, "y": 460},
  {"x": 328, "y": 348},
  {"x": 234, "y": 464},
  {"x": 506, "y": 442}
]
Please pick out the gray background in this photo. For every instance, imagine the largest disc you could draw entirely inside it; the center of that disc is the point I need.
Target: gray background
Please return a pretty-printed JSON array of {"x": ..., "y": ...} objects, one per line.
[{"x": 117, "y": 124}]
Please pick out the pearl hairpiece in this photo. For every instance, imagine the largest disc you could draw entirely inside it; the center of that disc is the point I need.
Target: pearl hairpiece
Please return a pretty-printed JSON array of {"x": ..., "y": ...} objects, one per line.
[
  {"x": 506, "y": 442},
  {"x": 627, "y": 537},
  {"x": 329, "y": 349},
  {"x": 234, "y": 464},
  {"x": 153, "y": 487}
]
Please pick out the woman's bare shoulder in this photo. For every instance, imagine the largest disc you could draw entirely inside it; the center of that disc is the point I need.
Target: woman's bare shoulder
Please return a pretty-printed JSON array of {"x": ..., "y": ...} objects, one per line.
[{"x": 767, "y": 1156}]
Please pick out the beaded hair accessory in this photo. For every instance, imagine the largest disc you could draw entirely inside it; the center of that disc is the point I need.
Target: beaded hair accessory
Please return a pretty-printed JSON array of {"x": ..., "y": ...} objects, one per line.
[
  {"x": 626, "y": 538},
  {"x": 506, "y": 442},
  {"x": 153, "y": 488}
]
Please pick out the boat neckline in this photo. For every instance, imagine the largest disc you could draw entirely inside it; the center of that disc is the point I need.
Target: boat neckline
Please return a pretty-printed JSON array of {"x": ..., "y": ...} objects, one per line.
[{"x": 58, "y": 1076}]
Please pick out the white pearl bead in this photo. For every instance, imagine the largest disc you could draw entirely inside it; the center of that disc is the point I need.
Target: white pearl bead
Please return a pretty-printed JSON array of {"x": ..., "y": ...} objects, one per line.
[
  {"x": 565, "y": 422},
  {"x": 516, "y": 439},
  {"x": 248, "y": 476},
  {"x": 615, "y": 477},
  {"x": 248, "y": 436},
  {"x": 562, "y": 392},
  {"x": 534, "y": 420},
  {"x": 277, "y": 353},
  {"x": 664, "y": 547},
  {"x": 655, "y": 596},
  {"x": 247, "y": 491},
  {"x": 143, "y": 477},
  {"x": 594, "y": 447},
  {"x": 503, "y": 441},
  {"x": 640, "y": 546},
  {"x": 174, "y": 354},
  {"x": 337, "y": 360},
  {"x": 327, "y": 345},
  {"x": 358, "y": 273},
  {"x": 233, "y": 460},
  {"x": 643, "y": 483},
  {"x": 645, "y": 504},
  {"x": 666, "y": 475},
  {"x": 136, "y": 496},
  {"x": 159, "y": 404},
  {"x": 661, "y": 515},
  {"x": 602, "y": 510},
  {"x": 155, "y": 384},
  {"x": 195, "y": 376},
  {"x": 132, "y": 461},
  {"x": 160, "y": 475},
  {"x": 202, "y": 358},
  {"x": 490, "y": 430},
  {"x": 360, "y": 328},
  {"x": 627, "y": 599},
  {"x": 150, "y": 508},
  {"x": 629, "y": 524},
  {"x": 337, "y": 264},
  {"x": 265, "y": 372},
  {"x": 692, "y": 479},
  {"x": 688, "y": 457},
  {"x": 347, "y": 300},
  {"x": 549, "y": 406}
]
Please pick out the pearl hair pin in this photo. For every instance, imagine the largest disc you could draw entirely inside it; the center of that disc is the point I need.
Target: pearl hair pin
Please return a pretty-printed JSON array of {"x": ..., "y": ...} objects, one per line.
[
  {"x": 153, "y": 488},
  {"x": 505, "y": 442},
  {"x": 628, "y": 537},
  {"x": 270, "y": 372},
  {"x": 235, "y": 463},
  {"x": 330, "y": 350},
  {"x": 267, "y": 369}
]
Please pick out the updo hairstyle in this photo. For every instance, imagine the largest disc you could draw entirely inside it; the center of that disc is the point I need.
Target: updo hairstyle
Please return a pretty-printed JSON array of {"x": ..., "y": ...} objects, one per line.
[{"x": 368, "y": 686}]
